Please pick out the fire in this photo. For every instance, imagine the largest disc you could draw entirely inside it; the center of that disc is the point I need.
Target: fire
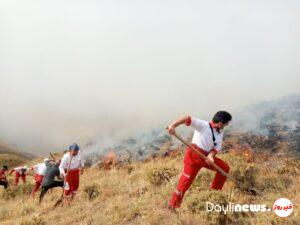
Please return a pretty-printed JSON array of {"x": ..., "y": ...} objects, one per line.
[
  {"x": 243, "y": 150},
  {"x": 110, "y": 160}
]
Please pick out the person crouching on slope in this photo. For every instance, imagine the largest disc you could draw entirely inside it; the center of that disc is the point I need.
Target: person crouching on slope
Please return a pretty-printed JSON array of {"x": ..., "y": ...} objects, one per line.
[
  {"x": 49, "y": 182},
  {"x": 207, "y": 139},
  {"x": 3, "y": 178},
  {"x": 39, "y": 172},
  {"x": 19, "y": 172},
  {"x": 71, "y": 165}
]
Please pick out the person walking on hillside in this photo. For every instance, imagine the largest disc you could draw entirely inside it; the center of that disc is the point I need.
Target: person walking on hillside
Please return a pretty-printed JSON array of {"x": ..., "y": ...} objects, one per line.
[
  {"x": 49, "y": 182},
  {"x": 3, "y": 178},
  {"x": 72, "y": 164},
  {"x": 207, "y": 139},
  {"x": 20, "y": 171}
]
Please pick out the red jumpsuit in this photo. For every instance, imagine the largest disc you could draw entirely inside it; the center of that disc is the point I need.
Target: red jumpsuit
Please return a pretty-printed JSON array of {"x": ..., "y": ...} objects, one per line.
[
  {"x": 72, "y": 182},
  {"x": 19, "y": 173},
  {"x": 38, "y": 181},
  {"x": 39, "y": 172},
  {"x": 192, "y": 164}
]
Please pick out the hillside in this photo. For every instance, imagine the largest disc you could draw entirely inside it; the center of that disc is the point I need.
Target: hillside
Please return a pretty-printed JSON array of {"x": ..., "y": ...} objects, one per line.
[
  {"x": 137, "y": 193},
  {"x": 135, "y": 187},
  {"x": 11, "y": 156}
]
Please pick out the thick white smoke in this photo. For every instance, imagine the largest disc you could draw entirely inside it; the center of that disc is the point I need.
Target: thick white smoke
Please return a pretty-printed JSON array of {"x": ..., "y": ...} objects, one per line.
[{"x": 75, "y": 71}]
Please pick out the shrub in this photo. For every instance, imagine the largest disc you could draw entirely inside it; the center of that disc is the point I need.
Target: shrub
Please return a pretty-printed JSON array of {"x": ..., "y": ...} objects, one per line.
[
  {"x": 160, "y": 175},
  {"x": 244, "y": 173},
  {"x": 246, "y": 176},
  {"x": 92, "y": 191}
]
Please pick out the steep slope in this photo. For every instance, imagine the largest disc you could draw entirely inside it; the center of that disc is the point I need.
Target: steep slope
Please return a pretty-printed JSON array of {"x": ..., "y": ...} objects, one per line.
[
  {"x": 11, "y": 156},
  {"x": 264, "y": 157},
  {"x": 137, "y": 193}
]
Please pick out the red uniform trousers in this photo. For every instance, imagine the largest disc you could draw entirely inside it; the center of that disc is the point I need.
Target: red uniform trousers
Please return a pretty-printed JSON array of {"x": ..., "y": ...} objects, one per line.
[
  {"x": 71, "y": 182},
  {"x": 38, "y": 181},
  {"x": 17, "y": 178},
  {"x": 192, "y": 164}
]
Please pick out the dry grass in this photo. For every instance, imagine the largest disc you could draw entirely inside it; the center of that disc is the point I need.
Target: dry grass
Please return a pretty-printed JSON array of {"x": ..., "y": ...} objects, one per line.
[
  {"x": 11, "y": 160},
  {"x": 138, "y": 194}
]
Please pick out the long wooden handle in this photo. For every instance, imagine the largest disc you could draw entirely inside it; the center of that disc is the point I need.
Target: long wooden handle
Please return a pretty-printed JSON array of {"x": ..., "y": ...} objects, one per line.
[
  {"x": 52, "y": 156},
  {"x": 204, "y": 157}
]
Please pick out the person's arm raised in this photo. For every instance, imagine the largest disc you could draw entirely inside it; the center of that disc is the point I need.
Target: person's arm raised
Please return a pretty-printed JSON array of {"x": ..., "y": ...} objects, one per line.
[{"x": 176, "y": 123}]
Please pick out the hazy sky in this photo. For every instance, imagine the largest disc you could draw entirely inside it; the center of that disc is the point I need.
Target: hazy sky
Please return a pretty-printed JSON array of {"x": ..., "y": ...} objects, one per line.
[{"x": 80, "y": 70}]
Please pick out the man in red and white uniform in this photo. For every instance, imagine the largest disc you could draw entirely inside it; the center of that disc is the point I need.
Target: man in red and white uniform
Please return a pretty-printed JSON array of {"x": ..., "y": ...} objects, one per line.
[
  {"x": 19, "y": 172},
  {"x": 71, "y": 166},
  {"x": 3, "y": 178},
  {"x": 207, "y": 139},
  {"x": 39, "y": 172}
]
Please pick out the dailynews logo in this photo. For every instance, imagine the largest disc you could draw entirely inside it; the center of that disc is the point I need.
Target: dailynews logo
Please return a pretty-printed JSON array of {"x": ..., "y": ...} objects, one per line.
[
  {"x": 236, "y": 207},
  {"x": 282, "y": 207}
]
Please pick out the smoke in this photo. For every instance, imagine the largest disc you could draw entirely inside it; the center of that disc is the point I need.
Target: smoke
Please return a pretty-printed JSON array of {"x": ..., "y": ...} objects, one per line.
[
  {"x": 267, "y": 118},
  {"x": 102, "y": 71},
  {"x": 256, "y": 118}
]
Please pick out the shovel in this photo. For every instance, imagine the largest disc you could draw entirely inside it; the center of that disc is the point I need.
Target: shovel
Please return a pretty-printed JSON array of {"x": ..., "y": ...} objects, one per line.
[
  {"x": 52, "y": 156},
  {"x": 251, "y": 191}
]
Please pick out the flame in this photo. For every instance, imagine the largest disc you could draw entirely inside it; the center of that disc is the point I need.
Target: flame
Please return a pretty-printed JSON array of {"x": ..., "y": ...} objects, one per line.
[{"x": 110, "y": 160}]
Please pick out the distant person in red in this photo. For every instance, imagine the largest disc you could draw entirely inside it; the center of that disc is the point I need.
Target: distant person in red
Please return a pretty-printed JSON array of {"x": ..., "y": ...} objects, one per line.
[
  {"x": 71, "y": 166},
  {"x": 207, "y": 139},
  {"x": 19, "y": 172},
  {"x": 3, "y": 178},
  {"x": 39, "y": 172}
]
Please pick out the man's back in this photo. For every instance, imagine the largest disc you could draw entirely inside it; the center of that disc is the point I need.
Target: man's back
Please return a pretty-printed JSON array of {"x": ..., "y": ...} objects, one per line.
[{"x": 51, "y": 172}]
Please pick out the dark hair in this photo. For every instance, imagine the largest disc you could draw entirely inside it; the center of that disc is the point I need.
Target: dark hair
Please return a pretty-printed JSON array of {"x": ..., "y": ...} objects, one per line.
[
  {"x": 5, "y": 167},
  {"x": 222, "y": 116}
]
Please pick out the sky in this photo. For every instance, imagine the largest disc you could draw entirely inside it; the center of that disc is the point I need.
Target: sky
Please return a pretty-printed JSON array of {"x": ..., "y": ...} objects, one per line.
[{"x": 78, "y": 71}]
